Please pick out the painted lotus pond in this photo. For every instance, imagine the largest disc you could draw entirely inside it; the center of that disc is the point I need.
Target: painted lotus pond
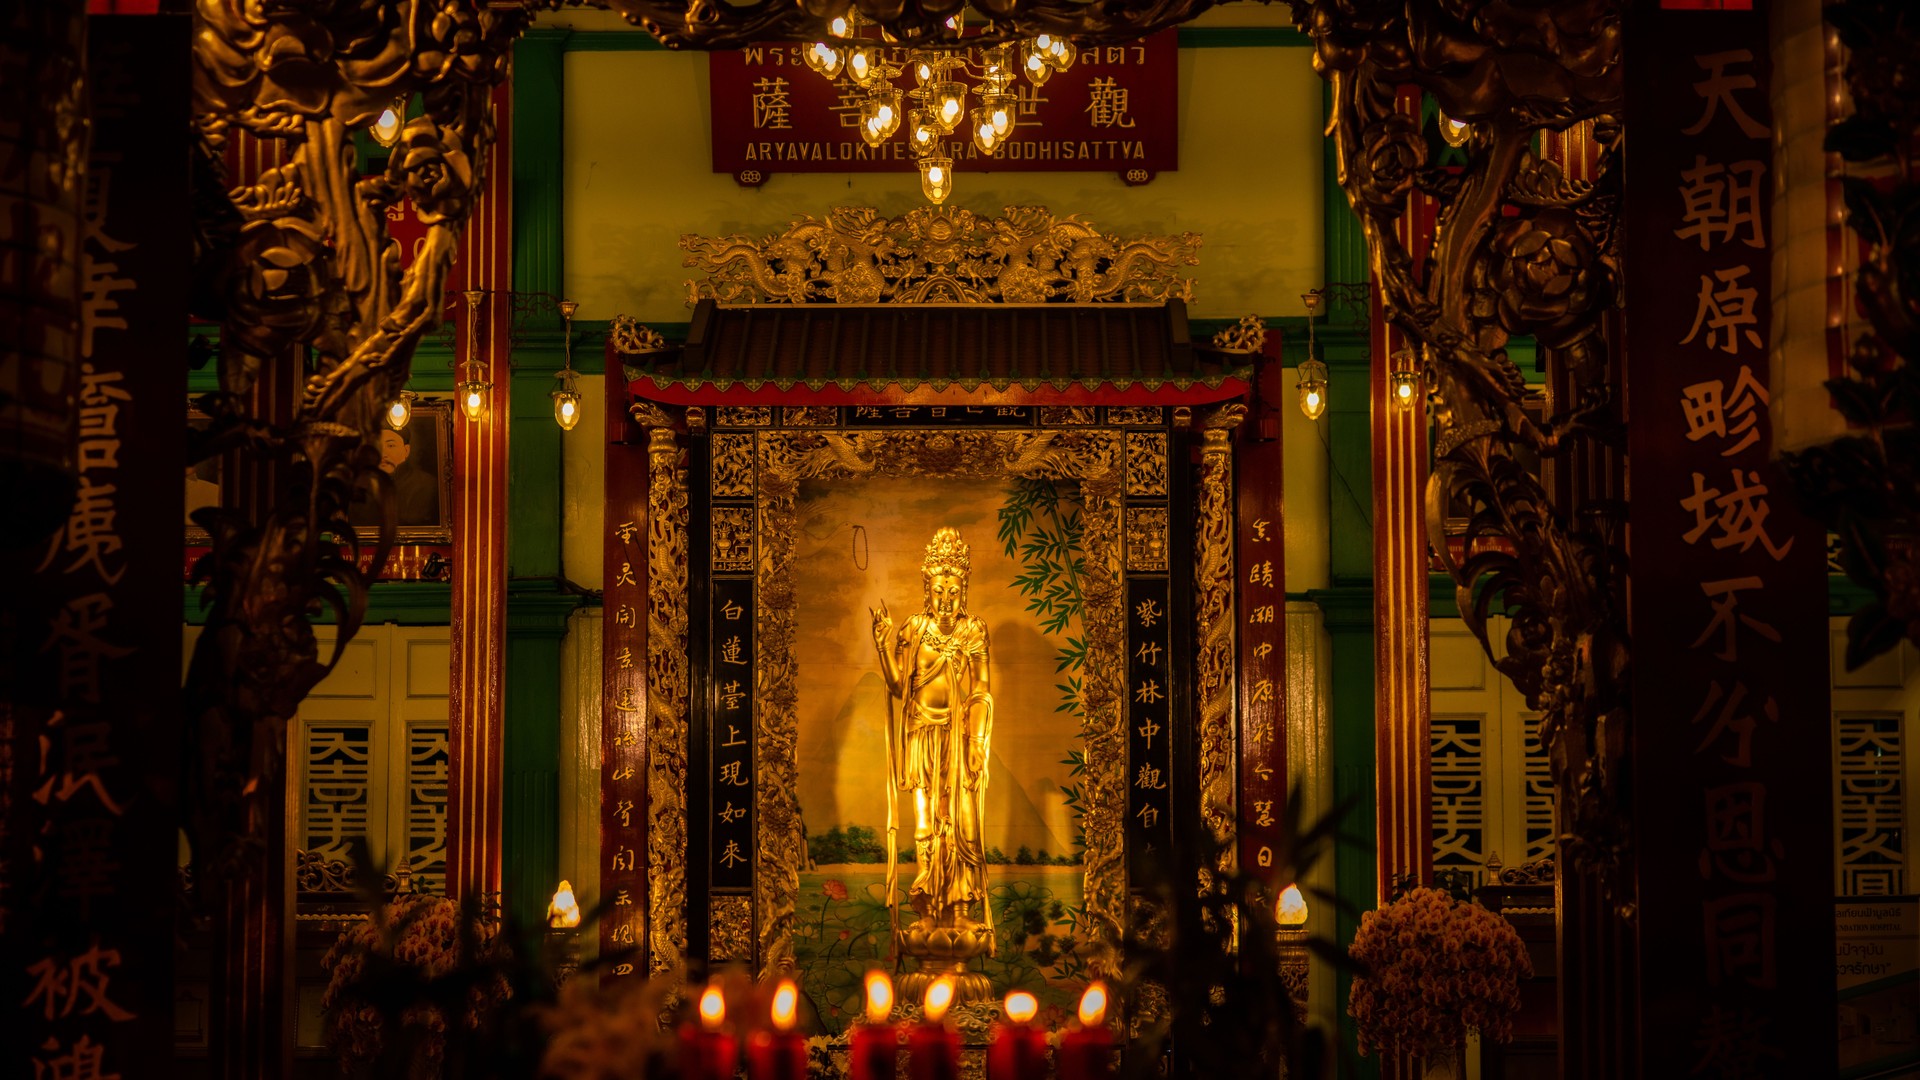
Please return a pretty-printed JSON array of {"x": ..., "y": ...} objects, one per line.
[{"x": 841, "y": 930}]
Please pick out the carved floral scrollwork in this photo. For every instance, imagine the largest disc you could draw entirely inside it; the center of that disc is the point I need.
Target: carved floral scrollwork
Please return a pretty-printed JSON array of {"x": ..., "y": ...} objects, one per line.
[
  {"x": 940, "y": 254},
  {"x": 1093, "y": 457},
  {"x": 1213, "y": 582},
  {"x": 298, "y": 262},
  {"x": 667, "y": 695},
  {"x": 1520, "y": 248}
]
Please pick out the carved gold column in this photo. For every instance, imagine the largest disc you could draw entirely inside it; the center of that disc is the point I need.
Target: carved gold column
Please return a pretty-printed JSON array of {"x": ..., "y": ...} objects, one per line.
[
  {"x": 666, "y": 690},
  {"x": 1213, "y": 583}
]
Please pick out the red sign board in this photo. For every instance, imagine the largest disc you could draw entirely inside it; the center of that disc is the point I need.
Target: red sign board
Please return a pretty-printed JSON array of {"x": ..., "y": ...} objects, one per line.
[
  {"x": 1115, "y": 110},
  {"x": 1732, "y": 729}
]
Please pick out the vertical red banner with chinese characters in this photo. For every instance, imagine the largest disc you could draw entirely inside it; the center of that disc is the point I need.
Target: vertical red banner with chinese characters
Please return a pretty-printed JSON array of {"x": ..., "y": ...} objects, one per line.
[
  {"x": 90, "y": 714},
  {"x": 623, "y": 731},
  {"x": 1731, "y": 742},
  {"x": 1262, "y": 603}
]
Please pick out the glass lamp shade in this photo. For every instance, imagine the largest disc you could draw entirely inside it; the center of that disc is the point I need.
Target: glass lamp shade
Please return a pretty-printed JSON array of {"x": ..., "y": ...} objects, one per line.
[
  {"x": 1037, "y": 68},
  {"x": 924, "y": 71},
  {"x": 1313, "y": 389},
  {"x": 1062, "y": 54},
  {"x": 936, "y": 177},
  {"x": 1403, "y": 380},
  {"x": 400, "y": 410},
  {"x": 985, "y": 135},
  {"x": 826, "y": 59},
  {"x": 566, "y": 409},
  {"x": 1000, "y": 109},
  {"x": 948, "y": 102},
  {"x": 863, "y": 63},
  {"x": 386, "y": 127},
  {"x": 839, "y": 27},
  {"x": 473, "y": 398},
  {"x": 924, "y": 133},
  {"x": 884, "y": 107}
]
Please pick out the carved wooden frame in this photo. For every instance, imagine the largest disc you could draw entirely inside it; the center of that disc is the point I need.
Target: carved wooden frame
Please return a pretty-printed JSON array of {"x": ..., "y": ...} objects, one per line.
[{"x": 1096, "y": 459}]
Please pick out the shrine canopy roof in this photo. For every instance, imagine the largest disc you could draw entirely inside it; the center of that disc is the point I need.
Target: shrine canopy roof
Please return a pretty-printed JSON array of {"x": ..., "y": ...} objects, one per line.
[{"x": 941, "y": 354}]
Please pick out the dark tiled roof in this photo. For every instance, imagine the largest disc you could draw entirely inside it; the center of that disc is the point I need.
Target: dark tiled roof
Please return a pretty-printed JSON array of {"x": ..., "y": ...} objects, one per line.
[{"x": 884, "y": 350}]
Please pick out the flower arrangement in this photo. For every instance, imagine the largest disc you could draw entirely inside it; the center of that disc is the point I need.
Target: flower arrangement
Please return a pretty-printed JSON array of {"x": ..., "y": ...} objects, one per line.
[
  {"x": 414, "y": 959},
  {"x": 1436, "y": 968}
]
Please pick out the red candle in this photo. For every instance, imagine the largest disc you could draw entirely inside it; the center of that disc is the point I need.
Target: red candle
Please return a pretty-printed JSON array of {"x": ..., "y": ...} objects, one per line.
[
  {"x": 706, "y": 1051},
  {"x": 875, "y": 1051},
  {"x": 933, "y": 1048},
  {"x": 1086, "y": 1052},
  {"x": 1019, "y": 1050},
  {"x": 779, "y": 1054}
]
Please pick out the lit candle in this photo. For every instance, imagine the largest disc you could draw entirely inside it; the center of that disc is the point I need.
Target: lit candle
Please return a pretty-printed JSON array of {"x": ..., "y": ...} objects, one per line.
[
  {"x": 779, "y": 1054},
  {"x": 876, "y": 1044},
  {"x": 1019, "y": 1050},
  {"x": 1086, "y": 1052},
  {"x": 707, "y": 1051},
  {"x": 933, "y": 1048}
]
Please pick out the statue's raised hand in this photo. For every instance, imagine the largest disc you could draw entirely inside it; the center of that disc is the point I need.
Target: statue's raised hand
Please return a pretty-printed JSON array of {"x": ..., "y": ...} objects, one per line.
[{"x": 882, "y": 624}]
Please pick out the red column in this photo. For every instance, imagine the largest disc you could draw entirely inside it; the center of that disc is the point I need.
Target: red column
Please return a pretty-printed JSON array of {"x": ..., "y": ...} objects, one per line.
[
  {"x": 479, "y": 618},
  {"x": 623, "y": 729},
  {"x": 1261, "y": 574}
]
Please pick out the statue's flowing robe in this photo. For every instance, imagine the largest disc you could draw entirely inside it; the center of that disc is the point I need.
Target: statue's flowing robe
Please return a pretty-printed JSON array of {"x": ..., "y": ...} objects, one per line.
[{"x": 932, "y": 743}]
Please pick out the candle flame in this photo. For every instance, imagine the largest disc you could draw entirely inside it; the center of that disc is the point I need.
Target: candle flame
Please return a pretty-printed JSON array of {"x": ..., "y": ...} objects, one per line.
[
  {"x": 1093, "y": 1005},
  {"x": 713, "y": 1008},
  {"x": 1293, "y": 907},
  {"x": 1022, "y": 1006},
  {"x": 879, "y": 997},
  {"x": 939, "y": 997},
  {"x": 786, "y": 1005},
  {"x": 563, "y": 913}
]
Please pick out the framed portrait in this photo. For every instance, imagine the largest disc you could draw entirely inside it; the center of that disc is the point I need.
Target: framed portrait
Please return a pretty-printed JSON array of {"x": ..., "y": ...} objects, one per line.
[
  {"x": 203, "y": 484},
  {"x": 418, "y": 461}
]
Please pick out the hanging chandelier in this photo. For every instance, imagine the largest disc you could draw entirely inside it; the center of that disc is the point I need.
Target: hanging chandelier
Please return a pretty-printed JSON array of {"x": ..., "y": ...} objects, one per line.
[{"x": 862, "y": 52}]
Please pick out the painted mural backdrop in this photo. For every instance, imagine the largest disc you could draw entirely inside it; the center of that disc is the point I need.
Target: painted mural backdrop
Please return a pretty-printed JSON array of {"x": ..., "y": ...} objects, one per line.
[{"x": 860, "y": 544}]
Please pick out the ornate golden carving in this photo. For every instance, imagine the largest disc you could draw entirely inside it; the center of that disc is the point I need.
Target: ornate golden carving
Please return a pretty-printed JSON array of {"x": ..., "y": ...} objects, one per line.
[
  {"x": 743, "y": 416},
  {"x": 732, "y": 466},
  {"x": 667, "y": 689},
  {"x": 1213, "y": 581},
  {"x": 730, "y": 929},
  {"x": 1147, "y": 463},
  {"x": 1062, "y": 415},
  {"x": 298, "y": 266},
  {"x": 629, "y": 338},
  {"x": 1249, "y": 335},
  {"x": 810, "y": 416},
  {"x": 1137, "y": 415},
  {"x": 1146, "y": 539},
  {"x": 1519, "y": 248},
  {"x": 1094, "y": 458},
  {"x": 940, "y": 255},
  {"x": 733, "y": 539}
]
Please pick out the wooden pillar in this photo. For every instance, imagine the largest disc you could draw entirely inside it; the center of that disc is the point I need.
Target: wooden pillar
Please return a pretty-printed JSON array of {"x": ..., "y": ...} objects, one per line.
[
  {"x": 479, "y": 616},
  {"x": 1403, "y": 766}
]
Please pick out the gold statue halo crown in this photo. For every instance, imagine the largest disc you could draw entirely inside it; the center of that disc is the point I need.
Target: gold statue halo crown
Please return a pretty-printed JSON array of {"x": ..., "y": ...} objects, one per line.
[{"x": 947, "y": 554}]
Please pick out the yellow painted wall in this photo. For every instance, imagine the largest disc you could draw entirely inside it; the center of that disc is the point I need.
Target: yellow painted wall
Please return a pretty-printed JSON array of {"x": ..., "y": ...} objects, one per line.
[{"x": 638, "y": 175}]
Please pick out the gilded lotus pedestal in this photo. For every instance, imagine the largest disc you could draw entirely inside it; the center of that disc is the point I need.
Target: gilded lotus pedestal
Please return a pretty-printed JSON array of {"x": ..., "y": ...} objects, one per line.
[{"x": 945, "y": 950}]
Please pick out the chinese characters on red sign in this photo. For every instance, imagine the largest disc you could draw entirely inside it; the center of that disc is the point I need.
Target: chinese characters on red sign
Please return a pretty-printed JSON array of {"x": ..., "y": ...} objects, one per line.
[
  {"x": 1115, "y": 110},
  {"x": 1728, "y": 584}
]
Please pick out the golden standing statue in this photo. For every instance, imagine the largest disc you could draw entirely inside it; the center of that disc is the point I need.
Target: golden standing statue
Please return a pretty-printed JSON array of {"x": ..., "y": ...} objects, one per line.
[{"x": 937, "y": 742}]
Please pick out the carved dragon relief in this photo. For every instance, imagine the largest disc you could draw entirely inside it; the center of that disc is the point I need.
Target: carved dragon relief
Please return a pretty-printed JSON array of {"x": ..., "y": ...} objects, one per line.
[
  {"x": 298, "y": 261},
  {"x": 940, "y": 254},
  {"x": 1519, "y": 248}
]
